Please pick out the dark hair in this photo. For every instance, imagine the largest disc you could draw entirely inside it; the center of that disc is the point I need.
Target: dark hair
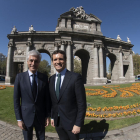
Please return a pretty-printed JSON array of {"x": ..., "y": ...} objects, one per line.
[{"x": 61, "y": 52}]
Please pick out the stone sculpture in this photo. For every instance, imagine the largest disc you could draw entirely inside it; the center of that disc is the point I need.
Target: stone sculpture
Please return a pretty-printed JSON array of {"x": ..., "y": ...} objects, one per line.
[
  {"x": 79, "y": 12},
  {"x": 118, "y": 38},
  {"x": 31, "y": 29},
  {"x": 128, "y": 40}
]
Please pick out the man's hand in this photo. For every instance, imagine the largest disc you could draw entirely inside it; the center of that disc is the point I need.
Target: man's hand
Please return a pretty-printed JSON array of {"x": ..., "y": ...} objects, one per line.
[
  {"x": 21, "y": 125},
  {"x": 76, "y": 129},
  {"x": 47, "y": 122},
  {"x": 52, "y": 122}
]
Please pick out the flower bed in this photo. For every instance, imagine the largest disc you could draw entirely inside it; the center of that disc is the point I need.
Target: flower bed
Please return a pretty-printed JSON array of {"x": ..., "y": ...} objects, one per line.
[
  {"x": 120, "y": 114},
  {"x": 114, "y": 108},
  {"x": 126, "y": 92},
  {"x": 4, "y": 86}
]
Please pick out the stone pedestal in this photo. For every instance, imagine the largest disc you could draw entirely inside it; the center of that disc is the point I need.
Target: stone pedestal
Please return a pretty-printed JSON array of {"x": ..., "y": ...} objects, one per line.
[
  {"x": 121, "y": 79},
  {"x": 99, "y": 81},
  {"x": 8, "y": 80}
]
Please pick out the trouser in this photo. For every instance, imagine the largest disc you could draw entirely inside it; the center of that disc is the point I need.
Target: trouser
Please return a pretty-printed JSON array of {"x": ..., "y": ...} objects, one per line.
[
  {"x": 65, "y": 134},
  {"x": 40, "y": 131}
]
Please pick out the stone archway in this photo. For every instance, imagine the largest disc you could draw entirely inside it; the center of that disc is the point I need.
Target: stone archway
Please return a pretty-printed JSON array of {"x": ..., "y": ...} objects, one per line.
[
  {"x": 84, "y": 56},
  {"x": 80, "y": 35}
]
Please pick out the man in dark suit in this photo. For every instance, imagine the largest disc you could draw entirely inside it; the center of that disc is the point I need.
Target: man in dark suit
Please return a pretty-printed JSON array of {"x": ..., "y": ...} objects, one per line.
[
  {"x": 32, "y": 99},
  {"x": 68, "y": 99}
]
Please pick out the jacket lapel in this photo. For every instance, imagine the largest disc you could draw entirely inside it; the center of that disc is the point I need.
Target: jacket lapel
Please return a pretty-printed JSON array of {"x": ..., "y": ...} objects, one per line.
[
  {"x": 53, "y": 86},
  {"x": 28, "y": 85},
  {"x": 39, "y": 84},
  {"x": 65, "y": 83}
]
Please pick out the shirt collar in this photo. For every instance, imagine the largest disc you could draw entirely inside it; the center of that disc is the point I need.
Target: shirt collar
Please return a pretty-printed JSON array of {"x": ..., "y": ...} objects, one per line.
[
  {"x": 30, "y": 73},
  {"x": 62, "y": 72}
]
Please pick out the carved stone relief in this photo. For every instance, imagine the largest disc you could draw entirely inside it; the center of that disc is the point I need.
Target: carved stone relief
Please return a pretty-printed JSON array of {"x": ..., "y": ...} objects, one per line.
[{"x": 19, "y": 52}]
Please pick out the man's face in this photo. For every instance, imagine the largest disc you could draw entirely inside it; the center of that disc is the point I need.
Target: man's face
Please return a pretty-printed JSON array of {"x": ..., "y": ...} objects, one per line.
[
  {"x": 59, "y": 62},
  {"x": 33, "y": 63}
]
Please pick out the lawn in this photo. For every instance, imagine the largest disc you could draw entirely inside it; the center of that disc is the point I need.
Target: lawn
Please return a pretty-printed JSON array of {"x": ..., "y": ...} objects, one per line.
[
  {"x": 99, "y": 101},
  {"x": 7, "y": 110}
]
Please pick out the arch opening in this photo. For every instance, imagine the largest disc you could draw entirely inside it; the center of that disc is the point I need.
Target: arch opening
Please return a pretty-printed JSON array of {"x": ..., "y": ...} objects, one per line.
[
  {"x": 45, "y": 64},
  {"x": 84, "y": 56},
  {"x": 110, "y": 65}
]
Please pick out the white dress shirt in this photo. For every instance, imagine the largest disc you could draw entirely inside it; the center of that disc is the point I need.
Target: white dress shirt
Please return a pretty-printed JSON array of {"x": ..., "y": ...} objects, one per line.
[{"x": 62, "y": 77}]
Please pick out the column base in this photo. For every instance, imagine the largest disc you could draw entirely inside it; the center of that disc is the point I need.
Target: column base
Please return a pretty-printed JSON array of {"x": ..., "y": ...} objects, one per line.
[
  {"x": 121, "y": 79},
  {"x": 99, "y": 81},
  {"x": 131, "y": 79},
  {"x": 8, "y": 80}
]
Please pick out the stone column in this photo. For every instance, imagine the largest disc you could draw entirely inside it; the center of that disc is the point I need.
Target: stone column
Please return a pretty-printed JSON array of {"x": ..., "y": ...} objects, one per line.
[
  {"x": 131, "y": 63},
  {"x": 55, "y": 46},
  {"x": 101, "y": 61},
  {"x": 96, "y": 63},
  {"x": 131, "y": 71},
  {"x": 9, "y": 62},
  {"x": 63, "y": 45},
  {"x": 121, "y": 78},
  {"x": 69, "y": 56},
  {"x": 121, "y": 62},
  {"x": 28, "y": 44},
  {"x": 53, "y": 70}
]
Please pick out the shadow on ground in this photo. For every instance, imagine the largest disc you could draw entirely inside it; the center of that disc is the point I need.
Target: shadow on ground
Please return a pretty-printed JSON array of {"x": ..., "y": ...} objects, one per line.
[{"x": 94, "y": 129}]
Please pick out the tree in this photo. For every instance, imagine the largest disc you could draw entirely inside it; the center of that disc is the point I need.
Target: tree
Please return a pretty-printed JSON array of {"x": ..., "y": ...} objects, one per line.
[
  {"x": 109, "y": 68},
  {"x": 3, "y": 67},
  {"x": 44, "y": 67},
  {"x": 109, "y": 72},
  {"x": 136, "y": 63},
  {"x": 77, "y": 66}
]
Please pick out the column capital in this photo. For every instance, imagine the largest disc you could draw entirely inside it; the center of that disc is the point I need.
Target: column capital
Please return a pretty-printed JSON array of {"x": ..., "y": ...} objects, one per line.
[
  {"x": 10, "y": 44},
  {"x": 101, "y": 46},
  {"x": 63, "y": 42},
  {"x": 57, "y": 44},
  {"x": 130, "y": 51},
  {"x": 29, "y": 43},
  {"x": 69, "y": 42},
  {"x": 120, "y": 49},
  {"x": 96, "y": 45}
]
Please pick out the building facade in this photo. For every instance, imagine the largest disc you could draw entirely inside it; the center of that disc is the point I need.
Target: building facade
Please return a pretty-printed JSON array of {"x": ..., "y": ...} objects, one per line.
[{"x": 78, "y": 34}]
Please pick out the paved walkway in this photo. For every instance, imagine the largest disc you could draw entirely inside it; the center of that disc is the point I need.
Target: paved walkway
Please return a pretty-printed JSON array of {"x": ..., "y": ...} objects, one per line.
[{"x": 10, "y": 132}]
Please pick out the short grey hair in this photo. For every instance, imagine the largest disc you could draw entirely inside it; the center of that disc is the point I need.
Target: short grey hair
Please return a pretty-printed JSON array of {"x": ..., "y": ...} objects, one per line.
[{"x": 34, "y": 52}]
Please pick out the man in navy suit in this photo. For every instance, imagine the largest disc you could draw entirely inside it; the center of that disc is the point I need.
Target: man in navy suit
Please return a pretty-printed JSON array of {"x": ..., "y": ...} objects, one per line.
[
  {"x": 68, "y": 99},
  {"x": 32, "y": 99}
]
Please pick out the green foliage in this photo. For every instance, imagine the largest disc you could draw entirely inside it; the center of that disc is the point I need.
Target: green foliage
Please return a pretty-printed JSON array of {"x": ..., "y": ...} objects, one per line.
[
  {"x": 108, "y": 75},
  {"x": 136, "y": 64},
  {"x": 3, "y": 66},
  {"x": 109, "y": 68},
  {"x": 44, "y": 67},
  {"x": 77, "y": 66}
]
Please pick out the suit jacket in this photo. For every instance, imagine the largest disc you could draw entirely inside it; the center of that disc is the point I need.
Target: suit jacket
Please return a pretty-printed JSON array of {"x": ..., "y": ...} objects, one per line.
[
  {"x": 71, "y": 105},
  {"x": 24, "y": 104}
]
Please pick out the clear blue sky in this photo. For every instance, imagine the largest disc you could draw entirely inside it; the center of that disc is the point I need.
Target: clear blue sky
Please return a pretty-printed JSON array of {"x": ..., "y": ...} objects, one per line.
[{"x": 119, "y": 17}]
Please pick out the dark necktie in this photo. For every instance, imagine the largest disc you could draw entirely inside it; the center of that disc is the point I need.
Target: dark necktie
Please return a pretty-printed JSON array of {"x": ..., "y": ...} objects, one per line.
[
  {"x": 58, "y": 85},
  {"x": 34, "y": 87}
]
